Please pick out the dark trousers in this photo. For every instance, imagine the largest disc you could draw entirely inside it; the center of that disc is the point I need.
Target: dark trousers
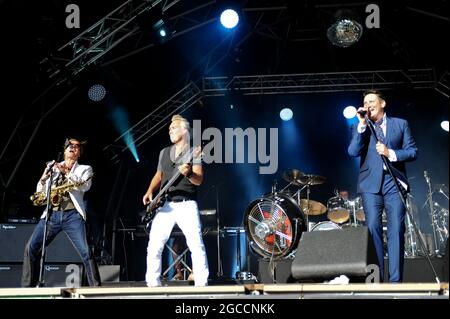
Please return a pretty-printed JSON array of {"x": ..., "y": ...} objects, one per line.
[
  {"x": 73, "y": 225},
  {"x": 389, "y": 199}
]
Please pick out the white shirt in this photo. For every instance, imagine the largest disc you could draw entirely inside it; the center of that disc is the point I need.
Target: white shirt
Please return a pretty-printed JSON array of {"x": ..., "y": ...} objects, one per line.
[{"x": 78, "y": 173}]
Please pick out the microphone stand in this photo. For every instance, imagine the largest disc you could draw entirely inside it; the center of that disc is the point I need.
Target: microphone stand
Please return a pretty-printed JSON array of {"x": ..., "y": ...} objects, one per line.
[
  {"x": 432, "y": 212},
  {"x": 41, "y": 281},
  {"x": 402, "y": 196},
  {"x": 219, "y": 258}
]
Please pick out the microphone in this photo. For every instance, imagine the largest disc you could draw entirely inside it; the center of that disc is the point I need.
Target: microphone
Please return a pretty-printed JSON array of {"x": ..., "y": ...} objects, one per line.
[{"x": 362, "y": 112}]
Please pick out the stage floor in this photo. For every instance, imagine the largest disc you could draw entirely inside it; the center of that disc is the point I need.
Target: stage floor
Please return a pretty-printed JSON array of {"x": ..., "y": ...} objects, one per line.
[{"x": 138, "y": 290}]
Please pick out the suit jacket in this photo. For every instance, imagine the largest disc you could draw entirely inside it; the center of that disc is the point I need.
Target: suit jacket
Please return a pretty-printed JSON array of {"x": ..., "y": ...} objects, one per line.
[
  {"x": 78, "y": 173},
  {"x": 398, "y": 138}
]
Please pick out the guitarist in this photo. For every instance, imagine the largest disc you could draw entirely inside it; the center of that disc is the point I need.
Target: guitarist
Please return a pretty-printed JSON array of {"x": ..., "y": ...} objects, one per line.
[{"x": 179, "y": 205}]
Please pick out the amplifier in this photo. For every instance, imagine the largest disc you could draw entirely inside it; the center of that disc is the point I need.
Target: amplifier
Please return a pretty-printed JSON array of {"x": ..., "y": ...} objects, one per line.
[
  {"x": 56, "y": 275},
  {"x": 14, "y": 237}
]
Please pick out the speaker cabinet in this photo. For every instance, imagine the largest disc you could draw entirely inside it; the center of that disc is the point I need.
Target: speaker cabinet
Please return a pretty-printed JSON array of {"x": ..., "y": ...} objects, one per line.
[
  {"x": 109, "y": 273},
  {"x": 14, "y": 237},
  {"x": 275, "y": 272},
  {"x": 328, "y": 254},
  {"x": 55, "y": 275}
]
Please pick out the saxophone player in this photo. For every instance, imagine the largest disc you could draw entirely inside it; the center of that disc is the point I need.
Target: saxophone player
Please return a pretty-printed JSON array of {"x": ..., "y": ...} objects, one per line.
[{"x": 68, "y": 214}]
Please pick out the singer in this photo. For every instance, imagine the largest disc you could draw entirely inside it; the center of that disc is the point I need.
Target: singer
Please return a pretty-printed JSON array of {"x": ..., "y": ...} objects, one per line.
[
  {"x": 377, "y": 188},
  {"x": 68, "y": 215}
]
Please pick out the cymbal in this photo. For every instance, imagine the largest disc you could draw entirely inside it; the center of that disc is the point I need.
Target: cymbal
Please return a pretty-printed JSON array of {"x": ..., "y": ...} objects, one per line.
[
  {"x": 293, "y": 176},
  {"x": 313, "y": 207},
  {"x": 312, "y": 179}
]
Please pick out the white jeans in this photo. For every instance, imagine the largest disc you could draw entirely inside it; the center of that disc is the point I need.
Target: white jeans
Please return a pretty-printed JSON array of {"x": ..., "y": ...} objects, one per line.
[{"x": 186, "y": 215}]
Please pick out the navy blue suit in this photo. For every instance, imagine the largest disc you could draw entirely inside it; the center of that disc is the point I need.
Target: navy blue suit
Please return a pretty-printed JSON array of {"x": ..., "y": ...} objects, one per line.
[{"x": 378, "y": 190}]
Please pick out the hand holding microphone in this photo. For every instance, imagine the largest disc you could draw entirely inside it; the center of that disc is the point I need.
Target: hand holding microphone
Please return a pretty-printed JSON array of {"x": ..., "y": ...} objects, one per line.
[
  {"x": 360, "y": 113},
  {"x": 46, "y": 174}
]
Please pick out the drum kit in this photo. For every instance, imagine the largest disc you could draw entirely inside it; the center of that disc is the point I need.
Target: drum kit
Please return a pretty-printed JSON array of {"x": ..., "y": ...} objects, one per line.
[{"x": 275, "y": 222}]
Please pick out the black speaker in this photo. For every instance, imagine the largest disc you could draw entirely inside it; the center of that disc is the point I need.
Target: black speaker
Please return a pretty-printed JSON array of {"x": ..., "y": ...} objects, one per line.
[
  {"x": 56, "y": 275},
  {"x": 109, "y": 273},
  {"x": 331, "y": 253},
  {"x": 276, "y": 272},
  {"x": 10, "y": 275},
  {"x": 14, "y": 237}
]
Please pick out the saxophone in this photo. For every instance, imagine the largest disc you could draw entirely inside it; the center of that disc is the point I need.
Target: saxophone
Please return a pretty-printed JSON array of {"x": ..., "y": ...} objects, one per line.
[{"x": 56, "y": 192}]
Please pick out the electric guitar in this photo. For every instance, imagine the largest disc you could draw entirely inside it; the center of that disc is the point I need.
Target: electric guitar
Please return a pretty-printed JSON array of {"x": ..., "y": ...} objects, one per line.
[{"x": 160, "y": 198}]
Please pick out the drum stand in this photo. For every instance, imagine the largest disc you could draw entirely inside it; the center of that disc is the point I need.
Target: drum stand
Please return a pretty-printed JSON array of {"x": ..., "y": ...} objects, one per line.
[
  {"x": 307, "y": 202},
  {"x": 352, "y": 204}
]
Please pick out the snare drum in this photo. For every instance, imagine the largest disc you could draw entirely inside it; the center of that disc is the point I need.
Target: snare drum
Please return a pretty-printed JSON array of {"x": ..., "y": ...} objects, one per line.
[
  {"x": 325, "y": 226},
  {"x": 338, "y": 211}
]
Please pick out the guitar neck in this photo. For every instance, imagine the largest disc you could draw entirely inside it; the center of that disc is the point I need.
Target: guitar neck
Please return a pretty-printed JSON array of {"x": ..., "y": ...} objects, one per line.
[{"x": 170, "y": 182}]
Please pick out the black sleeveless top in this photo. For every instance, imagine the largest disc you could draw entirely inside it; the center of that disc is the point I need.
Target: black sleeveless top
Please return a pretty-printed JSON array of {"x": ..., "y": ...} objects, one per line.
[{"x": 182, "y": 188}]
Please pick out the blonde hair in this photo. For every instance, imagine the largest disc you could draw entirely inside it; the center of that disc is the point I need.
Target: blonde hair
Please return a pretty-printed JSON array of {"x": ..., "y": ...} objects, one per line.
[{"x": 184, "y": 122}]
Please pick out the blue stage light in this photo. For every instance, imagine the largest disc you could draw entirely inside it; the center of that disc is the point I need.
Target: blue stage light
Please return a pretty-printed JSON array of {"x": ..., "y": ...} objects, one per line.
[
  {"x": 349, "y": 112},
  {"x": 444, "y": 125},
  {"x": 286, "y": 114},
  {"x": 229, "y": 18}
]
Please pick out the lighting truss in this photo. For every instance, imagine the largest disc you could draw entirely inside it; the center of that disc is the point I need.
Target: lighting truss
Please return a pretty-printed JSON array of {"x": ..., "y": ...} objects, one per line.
[{"x": 317, "y": 82}]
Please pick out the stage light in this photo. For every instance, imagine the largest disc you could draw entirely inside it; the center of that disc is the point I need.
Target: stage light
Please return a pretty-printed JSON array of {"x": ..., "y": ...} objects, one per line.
[
  {"x": 349, "y": 112},
  {"x": 346, "y": 31},
  {"x": 229, "y": 18},
  {"x": 97, "y": 92},
  {"x": 444, "y": 125},
  {"x": 163, "y": 30},
  {"x": 286, "y": 114}
]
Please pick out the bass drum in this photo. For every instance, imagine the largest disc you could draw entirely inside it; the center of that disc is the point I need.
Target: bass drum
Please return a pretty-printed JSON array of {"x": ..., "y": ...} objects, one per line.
[{"x": 274, "y": 224}]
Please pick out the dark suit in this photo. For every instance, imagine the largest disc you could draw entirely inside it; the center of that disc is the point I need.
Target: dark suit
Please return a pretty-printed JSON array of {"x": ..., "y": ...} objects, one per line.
[{"x": 378, "y": 190}]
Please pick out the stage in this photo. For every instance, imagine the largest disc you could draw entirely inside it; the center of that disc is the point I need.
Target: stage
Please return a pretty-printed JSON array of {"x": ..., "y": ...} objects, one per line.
[{"x": 138, "y": 290}]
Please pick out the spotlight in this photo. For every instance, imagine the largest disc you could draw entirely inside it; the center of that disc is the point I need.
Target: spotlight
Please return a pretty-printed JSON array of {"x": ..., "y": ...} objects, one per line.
[
  {"x": 229, "y": 18},
  {"x": 286, "y": 114},
  {"x": 349, "y": 112},
  {"x": 97, "y": 92},
  {"x": 444, "y": 125},
  {"x": 346, "y": 31},
  {"x": 162, "y": 30}
]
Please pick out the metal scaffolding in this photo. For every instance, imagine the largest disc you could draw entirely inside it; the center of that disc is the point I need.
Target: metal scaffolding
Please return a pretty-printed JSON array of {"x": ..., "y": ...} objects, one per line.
[
  {"x": 86, "y": 48},
  {"x": 442, "y": 85},
  {"x": 318, "y": 82},
  {"x": 155, "y": 121}
]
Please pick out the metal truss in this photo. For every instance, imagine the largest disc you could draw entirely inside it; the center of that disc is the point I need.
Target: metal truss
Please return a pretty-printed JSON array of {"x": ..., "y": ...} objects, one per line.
[
  {"x": 155, "y": 121},
  {"x": 442, "y": 85},
  {"x": 318, "y": 82},
  {"x": 96, "y": 41}
]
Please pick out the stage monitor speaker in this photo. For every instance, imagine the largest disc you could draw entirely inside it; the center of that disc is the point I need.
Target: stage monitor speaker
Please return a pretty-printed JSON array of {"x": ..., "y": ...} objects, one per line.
[
  {"x": 109, "y": 273},
  {"x": 14, "y": 237},
  {"x": 56, "y": 275},
  {"x": 330, "y": 253},
  {"x": 279, "y": 271}
]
